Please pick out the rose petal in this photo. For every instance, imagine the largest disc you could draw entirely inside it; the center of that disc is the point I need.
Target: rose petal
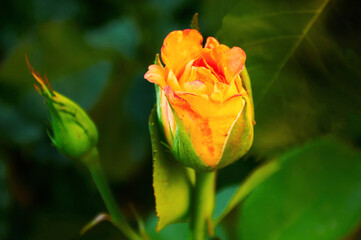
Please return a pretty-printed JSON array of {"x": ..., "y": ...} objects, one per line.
[
  {"x": 195, "y": 87},
  {"x": 234, "y": 88},
  {"x": 200, "y": 75},
  {"x": 208, "y": 132},
  {"x": 211, "y": 43},
  {"x": 172, "y": 81},
  {"x": 213, "y": 58},
  {"x": 179, "y": 47},
  {"x": 156, "y": 74},
  {"x": 188, "y": 73},
  {"x": 233, "y": 62},
  {"x": 206, "y": 108}
]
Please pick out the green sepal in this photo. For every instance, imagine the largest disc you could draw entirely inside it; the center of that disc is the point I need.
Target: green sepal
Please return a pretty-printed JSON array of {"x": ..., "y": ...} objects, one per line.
[
  {"x": 240, "y": 137},
  {"x": 172, "y": 182},
  {"x": 246, "y": 81},
  {"x": 158, "y": 93},
  {"x": 195, "y": 22}
]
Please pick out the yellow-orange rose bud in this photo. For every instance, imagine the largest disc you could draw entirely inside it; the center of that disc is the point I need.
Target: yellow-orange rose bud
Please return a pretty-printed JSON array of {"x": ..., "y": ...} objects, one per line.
[{"x": 204, "y": 100}]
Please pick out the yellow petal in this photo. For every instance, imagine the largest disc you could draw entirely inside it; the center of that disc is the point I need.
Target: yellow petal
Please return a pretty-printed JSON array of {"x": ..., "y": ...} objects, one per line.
[
  {"x": 172, "y": 81},
  {"x": 233, "y": 62},
  {"x": 179, "y": 47},
  {"x": 199, "y": 80},
  {"x": 207, "y": 122},
  {"x": 206, "y": 108},
  {"x": 156, "y": 74},
  {"x": 211, "y": 43}
]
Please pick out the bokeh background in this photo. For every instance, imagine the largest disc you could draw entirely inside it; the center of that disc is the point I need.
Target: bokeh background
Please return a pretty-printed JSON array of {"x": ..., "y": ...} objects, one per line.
[{"x": 304, "y": 61}]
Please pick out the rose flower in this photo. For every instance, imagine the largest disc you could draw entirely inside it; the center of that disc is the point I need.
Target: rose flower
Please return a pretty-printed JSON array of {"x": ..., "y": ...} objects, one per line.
[{"x": 204, "y": 100}]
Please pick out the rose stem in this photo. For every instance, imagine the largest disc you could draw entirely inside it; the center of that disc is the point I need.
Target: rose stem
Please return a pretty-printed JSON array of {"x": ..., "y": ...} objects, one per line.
[
  {"x": 92, "y": 162},
  {"x": 203, "y": 204}
]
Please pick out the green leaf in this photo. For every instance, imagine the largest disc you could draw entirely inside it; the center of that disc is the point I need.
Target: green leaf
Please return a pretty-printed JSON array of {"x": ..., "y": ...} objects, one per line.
[
  {"x": 246, "y": 82},
  {"x": 300, "y": 56},
  {"x": 233, "y": 195},
  {"x": 177, "y": 231},
  {"x": 172, "y": 182},
  {"x": 270, "y": 33},
  {"x": 316, "y": 195}
]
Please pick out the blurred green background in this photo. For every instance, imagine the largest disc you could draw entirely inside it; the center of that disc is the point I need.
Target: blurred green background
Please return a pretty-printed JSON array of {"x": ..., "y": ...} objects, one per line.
[{"x": 304, "y": 61}]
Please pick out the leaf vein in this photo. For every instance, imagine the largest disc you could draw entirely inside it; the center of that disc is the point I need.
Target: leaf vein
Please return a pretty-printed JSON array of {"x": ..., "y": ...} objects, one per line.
[
  {"x": 295, "y": 47},
  {"x": 271, "y": 39}
]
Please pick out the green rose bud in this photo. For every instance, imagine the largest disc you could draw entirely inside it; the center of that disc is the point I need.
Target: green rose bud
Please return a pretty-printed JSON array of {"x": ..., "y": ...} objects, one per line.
[{"x": 73, "y": 132}]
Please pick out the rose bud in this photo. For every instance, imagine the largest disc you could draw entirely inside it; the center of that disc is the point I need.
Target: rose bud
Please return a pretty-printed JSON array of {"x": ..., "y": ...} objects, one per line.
[
  {"x": 73, "y": 132},
  {"x": 204, "y": 100}
]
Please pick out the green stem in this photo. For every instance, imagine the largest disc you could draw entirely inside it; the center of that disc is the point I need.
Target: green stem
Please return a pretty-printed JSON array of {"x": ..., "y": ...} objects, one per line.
[
  {"x": 92, "y": 162},
  {"x": 203, "y": 205}
]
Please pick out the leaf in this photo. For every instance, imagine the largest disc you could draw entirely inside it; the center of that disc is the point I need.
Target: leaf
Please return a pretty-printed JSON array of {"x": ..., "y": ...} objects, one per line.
[
  {"x": 171, "y": 181},
  {"x": 177, "y": 231},
  {"x": 303, "y": 66},
  {"x": 270, "y": 33},
  {"x": 237, "y": 193},
  {"x": 316, "y": 195}
]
